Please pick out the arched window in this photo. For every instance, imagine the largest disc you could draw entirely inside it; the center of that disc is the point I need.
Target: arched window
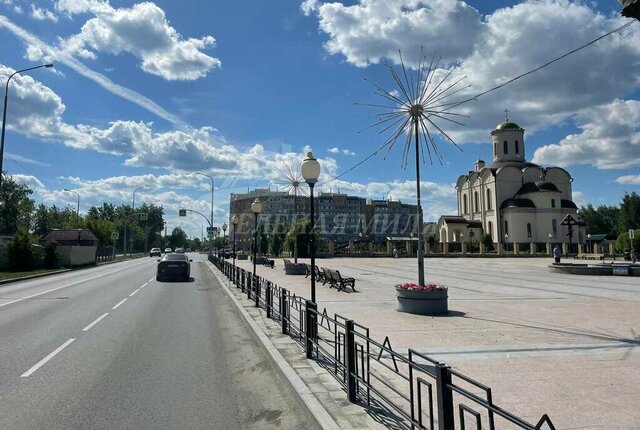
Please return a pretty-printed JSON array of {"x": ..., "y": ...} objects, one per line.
[
  {"x": 553, "y": 203},
  {"x": 495, "y": 149},
  {"x": 490, "y": 229},
  {"x": 506, "y": 227},
  {"x": 505, "y": 147},
  {"x": 488, "y": 199},
  {"x": 528, "y": 230},
  {"x": 517, "y": 148},
  {"x": 554, "y": 227},
  {"x": 476, "y": 202},
  {"x": 464, "y": 204}
]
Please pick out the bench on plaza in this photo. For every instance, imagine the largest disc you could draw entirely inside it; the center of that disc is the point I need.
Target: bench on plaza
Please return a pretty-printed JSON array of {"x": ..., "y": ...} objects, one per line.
[
  {"x": 338, "y": 281},
  {"x": 589, "y": 256},
  {"x": 321, "y": 276},
  {"x": 269, "y": 263}
]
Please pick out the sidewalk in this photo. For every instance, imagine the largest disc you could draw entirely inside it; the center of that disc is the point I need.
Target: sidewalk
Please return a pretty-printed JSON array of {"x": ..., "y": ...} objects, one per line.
[{"x": 544, "y": 342}]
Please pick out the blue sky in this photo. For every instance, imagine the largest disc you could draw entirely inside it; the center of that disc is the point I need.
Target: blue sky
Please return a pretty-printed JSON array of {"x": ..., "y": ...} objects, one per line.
[{"x": 147, "y": 93}]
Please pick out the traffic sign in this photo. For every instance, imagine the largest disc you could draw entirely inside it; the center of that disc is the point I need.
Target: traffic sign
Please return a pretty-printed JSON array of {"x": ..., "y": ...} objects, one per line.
[
  {"x": 115, "y": 235},
  {"x": 182, "y": 212},
  {"x": 210, "y": 230},
  {"x": 144, "y": 216},
  {"x": 632, "y": 234}
]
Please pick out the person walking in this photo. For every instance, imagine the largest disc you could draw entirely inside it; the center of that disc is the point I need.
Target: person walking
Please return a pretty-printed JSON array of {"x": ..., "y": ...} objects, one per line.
[
  {"x": 557, "y": 253},
  {"x": 395, "y": 252}
]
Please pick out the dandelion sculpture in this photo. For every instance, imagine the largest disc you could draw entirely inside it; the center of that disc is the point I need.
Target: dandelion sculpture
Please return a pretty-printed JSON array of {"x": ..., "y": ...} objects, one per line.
[
  {"x": 421, "y": 99},
  {"x": 290, "y": 180}
]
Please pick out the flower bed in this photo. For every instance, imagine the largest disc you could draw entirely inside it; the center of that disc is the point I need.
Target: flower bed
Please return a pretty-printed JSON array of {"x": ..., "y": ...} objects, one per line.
[{"x": 429, "y": 299}]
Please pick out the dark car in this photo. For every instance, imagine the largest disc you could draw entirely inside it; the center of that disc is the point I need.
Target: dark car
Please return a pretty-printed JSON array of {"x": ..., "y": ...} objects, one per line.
[
  {"x": 174, "y": 266},
  {"x": 155, "y": 252}
]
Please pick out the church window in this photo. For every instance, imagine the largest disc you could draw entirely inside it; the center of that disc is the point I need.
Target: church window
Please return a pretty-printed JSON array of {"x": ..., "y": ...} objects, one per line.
[
  {"x": 464, "y": 204},
  {"x": 554, "y": 227},
  {"x": 476, "y": 202},
  {"x": 490, "y": 229},
  {"x": 553, "y": 203},
  {"x": 488, "y": 199},
  {"x": 495, "y": 149},
  {"x": 505, "y": 147},
  {"x": 517, "y": 148},
  {"x": 506, "y": 227},
  {"x": 528, "y": 230}
]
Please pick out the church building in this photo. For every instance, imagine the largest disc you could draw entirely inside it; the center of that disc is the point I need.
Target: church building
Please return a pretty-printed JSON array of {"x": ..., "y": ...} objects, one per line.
[{"x": 512, "y": 199}]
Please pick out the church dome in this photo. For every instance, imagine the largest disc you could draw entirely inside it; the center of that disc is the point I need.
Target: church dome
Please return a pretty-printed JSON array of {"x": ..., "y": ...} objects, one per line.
[{"x": 507, "y": 125}]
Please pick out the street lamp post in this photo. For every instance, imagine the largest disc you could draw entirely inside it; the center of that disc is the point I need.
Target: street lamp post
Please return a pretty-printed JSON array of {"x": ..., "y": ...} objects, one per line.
[
  {"x": 224, "y": 240},
  {"x": 311, "y": 173},
  {"x": 234, "y": 222},
  {"x": 125, "y": 224},
  {"x": 256, "y": 208},
  {"x": 212, "y": 183},
  {"x": 589, "y": 238},
  {"x": 506, "y": 245},
  {"x": 77, "y": 206},
  {"x": 4, "y": 113}
]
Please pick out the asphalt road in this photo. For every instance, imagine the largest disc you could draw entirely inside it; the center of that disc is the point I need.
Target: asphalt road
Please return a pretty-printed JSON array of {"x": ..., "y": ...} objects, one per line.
[{"x": 112, "y": 348}]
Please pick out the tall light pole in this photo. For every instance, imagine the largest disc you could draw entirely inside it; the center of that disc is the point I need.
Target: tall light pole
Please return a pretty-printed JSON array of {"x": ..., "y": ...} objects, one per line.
[
  {"x": 4, "y": 113},
  {"x": 212, "y": 183},
  {"x": 256, "y": 208},
  {"x": 311, "y": 172},
  {"x": 224, "y": 240},
  {"x": 234, "y": 222},
  {"x": 77, "y": 206},
  {"x": 133, "y": 209}
]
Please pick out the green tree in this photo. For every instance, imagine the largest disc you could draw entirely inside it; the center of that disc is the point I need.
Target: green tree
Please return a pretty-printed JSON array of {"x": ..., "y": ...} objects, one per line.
[
  {"x": 178, "y": 238},
  {"x": 623, "y": 242},
  {"x": 15, "y": 206},
  {"x": 301, "y": 231},
  {"x": 629, "y": 213},
  {"x": 601, "y": 220},
  {"x": 19, "y": 253},
  {"x": 51, "y": 258}
]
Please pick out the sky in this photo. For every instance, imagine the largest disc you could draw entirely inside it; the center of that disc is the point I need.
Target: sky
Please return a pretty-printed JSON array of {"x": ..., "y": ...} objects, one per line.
[{"x": 147, "y": 93}]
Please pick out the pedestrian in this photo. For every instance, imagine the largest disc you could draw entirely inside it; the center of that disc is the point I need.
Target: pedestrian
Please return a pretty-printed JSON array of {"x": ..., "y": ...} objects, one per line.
[
  {"x": 557, "y": 253},
  {"x": 395, "y": 252}
]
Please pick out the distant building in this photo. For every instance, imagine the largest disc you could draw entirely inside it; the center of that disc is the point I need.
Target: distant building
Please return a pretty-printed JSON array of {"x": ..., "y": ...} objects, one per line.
[
  {"x": 389, "y": 218},
  {"x": 511, "y": 199},
  {"x": 76, "y": 247},
  {"x": 340, "y": 216}
]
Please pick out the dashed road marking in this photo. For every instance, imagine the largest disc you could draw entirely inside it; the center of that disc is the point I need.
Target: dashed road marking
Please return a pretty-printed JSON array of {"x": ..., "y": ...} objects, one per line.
[
  {"x": 134, "y": 293},
  {"x": 95, "y": 322},
  {"x": 119, "y": 303},
  {"x": 42, "y": 362}
]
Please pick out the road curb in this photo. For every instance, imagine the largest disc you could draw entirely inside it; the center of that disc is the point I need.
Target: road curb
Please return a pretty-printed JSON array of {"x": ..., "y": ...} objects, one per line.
[{"x": 317, "y": 415}]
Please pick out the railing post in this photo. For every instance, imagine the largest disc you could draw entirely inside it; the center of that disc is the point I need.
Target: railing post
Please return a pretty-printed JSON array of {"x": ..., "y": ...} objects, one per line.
[
  {"x": 249, "y": 284},
  {"x": 310, "y": 319},
  {"x": 350, "y": 358},
  {"x": 267, "y": 298},
  {"x": 256, "y": 282},
  {"x": 242, "y": 279},
  {"x": 284, "y": 314},
  {"x": 446, "y": 410}
]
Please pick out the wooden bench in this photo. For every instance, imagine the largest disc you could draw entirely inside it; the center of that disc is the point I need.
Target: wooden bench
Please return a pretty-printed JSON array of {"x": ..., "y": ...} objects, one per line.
[
  {"x": 321, "y": 276},
  {"x": 338, "y": 281}
]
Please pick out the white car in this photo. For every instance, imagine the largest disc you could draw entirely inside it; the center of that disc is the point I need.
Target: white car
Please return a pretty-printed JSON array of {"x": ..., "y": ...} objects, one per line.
[{"x": 168, "y": 250}]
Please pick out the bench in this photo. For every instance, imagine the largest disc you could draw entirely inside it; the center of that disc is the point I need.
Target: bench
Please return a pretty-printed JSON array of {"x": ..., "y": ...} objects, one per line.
[
  {"x": 321, "y": 276},
  {"x": 338, "y": 281},
  {"x": 589, "y": 256},
  {"x": 269, "y": 263}
]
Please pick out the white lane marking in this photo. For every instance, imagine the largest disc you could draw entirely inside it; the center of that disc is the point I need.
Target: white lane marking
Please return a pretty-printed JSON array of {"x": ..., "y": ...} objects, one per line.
[
  {"x": 41, "y": 363},
  {"x": 59, "y": 288},
  {"x": 121, "y": 302},
  {"x": 95, "y": 322},
  {"x": 133, "y": 294},
  {"x": 144, "y": 285},
  {"x": 150, "y": 280}
]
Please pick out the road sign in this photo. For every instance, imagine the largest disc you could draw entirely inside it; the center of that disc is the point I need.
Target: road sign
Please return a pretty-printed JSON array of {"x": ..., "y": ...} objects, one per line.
[
  {"x": 115, "y": 235},
  {"x": 182, "y": 212},
  {"x": 631, "y": 234},
  {"x": 144, "y": 216},
  {"x": 210, "y": 234},
  {"x": 210, "y": 230}
]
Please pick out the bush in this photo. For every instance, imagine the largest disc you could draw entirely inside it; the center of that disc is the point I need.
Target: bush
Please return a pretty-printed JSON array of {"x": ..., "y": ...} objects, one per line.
[
  {"x": 473, "y": 245},
  {"x": 623, "y": 243},
  {"x": 51, "y": 258},
  {"x": 488, "y": 242},
  {"x": 19, "y": 253}
]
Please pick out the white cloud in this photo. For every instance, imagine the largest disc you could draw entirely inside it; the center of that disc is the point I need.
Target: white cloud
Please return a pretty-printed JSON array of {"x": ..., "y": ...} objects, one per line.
[
  {"x": 493, "y": 49},
  {"x": 336, "y": 150},
  {"x": 629, "y": 180},
  {"x": 30, "y": 181},
  {"x": 26, "y": 160},
  {"x": 37, "y": 50},
  {"x": 609, "y": 139},
  {"x": 579, "y": 198},
  {"x": 143, "y": 31},
  {"x": 42, "y": 14}
]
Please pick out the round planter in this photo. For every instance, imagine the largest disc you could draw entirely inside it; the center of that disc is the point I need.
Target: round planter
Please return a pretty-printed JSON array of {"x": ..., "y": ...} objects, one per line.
[
  {"x": 295, "y": 269},
  {"x": 423, "y": 302}
]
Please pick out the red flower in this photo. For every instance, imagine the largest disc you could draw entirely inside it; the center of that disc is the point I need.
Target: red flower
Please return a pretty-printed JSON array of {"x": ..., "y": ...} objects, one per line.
[{"x": 415, "y": 287}]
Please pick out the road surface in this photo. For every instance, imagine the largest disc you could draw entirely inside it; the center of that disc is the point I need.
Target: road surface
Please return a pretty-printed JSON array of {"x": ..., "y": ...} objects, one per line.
[{"x": 111, "y": 348}]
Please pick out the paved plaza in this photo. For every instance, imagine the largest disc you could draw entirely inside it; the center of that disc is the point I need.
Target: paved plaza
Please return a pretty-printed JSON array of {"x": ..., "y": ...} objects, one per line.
[{"x": 545, "y": 342}]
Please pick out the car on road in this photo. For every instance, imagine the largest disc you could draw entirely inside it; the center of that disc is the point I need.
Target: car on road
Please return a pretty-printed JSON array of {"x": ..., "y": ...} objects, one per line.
[
  {"x": 168, "y": 250},
  {"x": 177, "y": 266},
  {"x": 179, "y": 251},
  {"x": 155, "y": 252}
]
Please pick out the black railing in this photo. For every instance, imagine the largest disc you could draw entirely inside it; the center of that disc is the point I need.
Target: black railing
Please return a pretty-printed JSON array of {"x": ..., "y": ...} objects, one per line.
[{"x": 400, "y": 390}]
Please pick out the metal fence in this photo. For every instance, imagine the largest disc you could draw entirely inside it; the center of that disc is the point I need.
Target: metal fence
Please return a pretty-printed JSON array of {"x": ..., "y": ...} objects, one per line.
[{"x": 401, "y": 391}]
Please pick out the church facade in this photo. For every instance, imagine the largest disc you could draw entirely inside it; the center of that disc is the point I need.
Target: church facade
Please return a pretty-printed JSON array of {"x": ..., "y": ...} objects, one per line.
[{"x": 511, "y": 199}]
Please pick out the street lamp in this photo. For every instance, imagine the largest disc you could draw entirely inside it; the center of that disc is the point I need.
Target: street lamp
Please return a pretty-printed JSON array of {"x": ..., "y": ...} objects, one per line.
[
  {"x": 77, "y": 207},
  {"x": 589, "y": 238},
  {"x": 311, "y": 173},
  {"x": 506, "y": 245},
  {"x": 234, "y": 222},
  {"x": 204, "y": 174},
  {"x": 133, "y": 209},
  {"x": 224, "y": 240},
  {"x": 4, "y": 113},
  {"x": 256, "y": 208}
]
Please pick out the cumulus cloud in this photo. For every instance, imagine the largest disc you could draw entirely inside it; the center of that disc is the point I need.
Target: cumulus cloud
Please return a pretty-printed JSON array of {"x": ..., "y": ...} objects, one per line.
[
  {"x": 492, "y": 49},
  {"x": 629, "y": 180},
  {"x": 609, "y": 139},
  {"x": 336, "y": 150},
  {"x": 42, "y": 14},
  {"x": 143, "y": 31}
]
